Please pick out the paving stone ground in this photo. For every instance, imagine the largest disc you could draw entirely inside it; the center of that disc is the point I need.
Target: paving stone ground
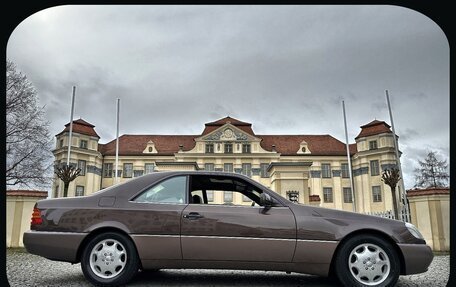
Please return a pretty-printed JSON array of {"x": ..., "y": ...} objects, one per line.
[{"x": 24, "y": 269}]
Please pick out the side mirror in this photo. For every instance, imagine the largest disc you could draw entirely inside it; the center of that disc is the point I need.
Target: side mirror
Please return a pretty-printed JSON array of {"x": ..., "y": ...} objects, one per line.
[{"x": 266, "y": 200}]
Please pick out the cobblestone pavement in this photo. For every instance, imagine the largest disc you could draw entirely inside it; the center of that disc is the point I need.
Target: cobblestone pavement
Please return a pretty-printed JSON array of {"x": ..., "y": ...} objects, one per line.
[{"x": 24, "y": 269}]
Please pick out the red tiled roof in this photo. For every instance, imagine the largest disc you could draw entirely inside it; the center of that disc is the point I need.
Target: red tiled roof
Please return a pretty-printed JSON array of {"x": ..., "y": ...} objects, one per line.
[
  {"x": 169, "y": 144},
  {"x": 225, "y": 120},
  {"x": 317, "y": 144},
  {"x": 284, "y": 144},
  {"x": 374, "y": 128},
  {"x": 212, "y": 126},
  {"x": 353, "y": 148},
  {"x": 81, "y": 122},
  {"x": 81, "y": 127},
  {"x": 428, "y": 191},
  {"x": 29, "y": 193},
  {"x": 135, "y": 144}
]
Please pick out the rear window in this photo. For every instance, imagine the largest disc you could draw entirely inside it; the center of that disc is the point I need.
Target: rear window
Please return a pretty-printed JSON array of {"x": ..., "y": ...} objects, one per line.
[{"x": 171, "y": 190}]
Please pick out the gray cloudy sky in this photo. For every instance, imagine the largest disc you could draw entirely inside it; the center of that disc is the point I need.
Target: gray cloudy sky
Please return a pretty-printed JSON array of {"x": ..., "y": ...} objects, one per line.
[{"x": 285, "y": 69}]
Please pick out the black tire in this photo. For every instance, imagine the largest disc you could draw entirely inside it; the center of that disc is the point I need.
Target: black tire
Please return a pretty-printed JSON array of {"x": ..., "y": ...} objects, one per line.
[
  {"x": 124, "y": 266},
  {"x": 362, "y": 248}
]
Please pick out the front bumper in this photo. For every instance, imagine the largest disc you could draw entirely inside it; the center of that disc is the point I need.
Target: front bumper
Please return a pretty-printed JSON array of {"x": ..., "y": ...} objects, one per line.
[
  {"x": 59, "y": 246},
  {"x": 417, "y": 258}
]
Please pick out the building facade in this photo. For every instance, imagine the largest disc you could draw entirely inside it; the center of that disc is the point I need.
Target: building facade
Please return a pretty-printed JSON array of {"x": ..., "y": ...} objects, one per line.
[{"x": 309, "y": 169}]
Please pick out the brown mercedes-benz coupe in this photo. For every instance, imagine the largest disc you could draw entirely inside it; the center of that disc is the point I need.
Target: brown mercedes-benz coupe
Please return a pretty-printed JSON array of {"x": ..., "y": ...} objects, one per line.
[{"x": 168, "y": 220}]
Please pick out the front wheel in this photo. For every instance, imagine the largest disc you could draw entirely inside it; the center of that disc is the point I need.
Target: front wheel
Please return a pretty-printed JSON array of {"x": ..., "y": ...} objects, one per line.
[
  {"x": 367, "y": 260},
  {"x": 109, "y": 259}
]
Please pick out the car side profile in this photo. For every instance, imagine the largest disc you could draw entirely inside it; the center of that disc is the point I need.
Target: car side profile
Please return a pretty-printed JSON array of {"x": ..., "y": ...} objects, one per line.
[{"x": 169, "y": 220}]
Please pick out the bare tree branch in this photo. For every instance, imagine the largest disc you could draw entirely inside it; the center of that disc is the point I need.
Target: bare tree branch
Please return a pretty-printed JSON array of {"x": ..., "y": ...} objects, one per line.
[{"x": 28, "y": 142}]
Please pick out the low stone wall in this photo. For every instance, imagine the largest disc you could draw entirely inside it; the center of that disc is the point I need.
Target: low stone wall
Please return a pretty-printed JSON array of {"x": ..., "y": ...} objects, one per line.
[
  {"x": 430, "y": 212},
  {"x": 19, "y": 208}
]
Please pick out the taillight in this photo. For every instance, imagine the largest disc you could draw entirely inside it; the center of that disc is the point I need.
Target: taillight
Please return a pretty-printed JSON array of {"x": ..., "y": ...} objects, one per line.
[{"x": 36, "y": 217}]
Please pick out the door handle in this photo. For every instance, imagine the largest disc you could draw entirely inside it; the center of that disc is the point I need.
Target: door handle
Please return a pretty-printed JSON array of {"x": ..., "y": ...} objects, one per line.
[{"x": 193, "y": 216}]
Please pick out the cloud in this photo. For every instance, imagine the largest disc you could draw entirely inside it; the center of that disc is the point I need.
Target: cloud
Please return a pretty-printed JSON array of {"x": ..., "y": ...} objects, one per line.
[{"x": 285, "y": 69}]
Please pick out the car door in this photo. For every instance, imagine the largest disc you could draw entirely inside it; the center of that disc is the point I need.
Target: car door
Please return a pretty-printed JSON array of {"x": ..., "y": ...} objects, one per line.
[
  {"x": 155, "y": 219},
  {"x": 238, "y": 232}
]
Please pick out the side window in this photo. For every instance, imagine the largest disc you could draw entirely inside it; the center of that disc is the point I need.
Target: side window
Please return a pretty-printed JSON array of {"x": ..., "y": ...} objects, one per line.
[
  {"x": 168, "y": 191},
  {"x": 223, "y": 190}
]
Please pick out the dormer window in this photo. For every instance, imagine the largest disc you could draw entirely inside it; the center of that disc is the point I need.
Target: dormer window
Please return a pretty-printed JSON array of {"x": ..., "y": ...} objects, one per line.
[
  {"x": 61, "y": 143},
  {"x": 150, "y": 147},
  {"x": 373, "y": 145},
  {"x": 303, "y": 148}
]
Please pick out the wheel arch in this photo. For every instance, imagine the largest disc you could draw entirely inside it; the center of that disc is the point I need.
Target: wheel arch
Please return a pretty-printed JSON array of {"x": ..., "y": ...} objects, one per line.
[
  {"x": 101, "y": 230},
  {"x": 369, "y": 232}
]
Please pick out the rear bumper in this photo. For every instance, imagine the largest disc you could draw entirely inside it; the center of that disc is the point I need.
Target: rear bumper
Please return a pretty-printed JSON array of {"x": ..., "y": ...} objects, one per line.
[
  {"x": 417, "y": 257},
  {"x": 59, "y": 246}
]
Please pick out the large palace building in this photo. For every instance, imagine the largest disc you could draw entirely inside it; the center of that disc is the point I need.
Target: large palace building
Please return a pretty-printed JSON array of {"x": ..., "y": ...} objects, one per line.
[{"x": 309, "y": 169}]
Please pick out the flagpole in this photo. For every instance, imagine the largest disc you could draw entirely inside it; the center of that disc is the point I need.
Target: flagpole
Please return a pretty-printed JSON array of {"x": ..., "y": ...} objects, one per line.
[
  {"x": 117, "y": 139},
  {"x": 398, "y": 161},
  {"x": 349, "y": 159},
  {"x": 71, "y": 126}
]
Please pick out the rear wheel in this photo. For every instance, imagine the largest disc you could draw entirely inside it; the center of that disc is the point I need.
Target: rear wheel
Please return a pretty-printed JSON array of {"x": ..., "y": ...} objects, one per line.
[
  {"x": 367, "y": 260},
  {"x": 109, "y": 259}
]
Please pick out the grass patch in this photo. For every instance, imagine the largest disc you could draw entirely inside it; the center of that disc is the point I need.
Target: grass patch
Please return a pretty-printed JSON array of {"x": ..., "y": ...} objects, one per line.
[
  {"x": 16, "y": 250},
  {"x": 441, "y": 253}
]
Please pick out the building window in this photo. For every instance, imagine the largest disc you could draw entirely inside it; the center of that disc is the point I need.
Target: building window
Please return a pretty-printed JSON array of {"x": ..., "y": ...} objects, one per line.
[
  {"x": 82, "y": 166},
  {"x": 149, "y": 168},
  {"x": 325, "y": 170},
  {"x": 373, "y": 145},
  {"x": 247, "y": 169},
  {"x": 151, "y": 149},
  {"x": 228, "y": 167},
  {"x": 374, "y": 166},
  {"x": 376, "y": 194},
  {"x": 56, "y": 191},
  {"x": 61, "y": 143},
  {"x": 127, "y": 170},
  {"x": 327, "y": 194},
  {"x": 228, "y": 196},
  {"x": 107, "y": 170},
  {"x": 83, "y": 144},
  {"x": 79, "y": 190},
  {"x": 264, "y": 169},
  {"x": 245, "y": 148},
  {"x": 344, "y": 170},
  {"x": 228, "y": 148},
  {"x": 347, "y": 195},
  {"x": 209, "y": 148},
  {"x": 210, "y": 195},
  {"x": 209, "y": 167}
]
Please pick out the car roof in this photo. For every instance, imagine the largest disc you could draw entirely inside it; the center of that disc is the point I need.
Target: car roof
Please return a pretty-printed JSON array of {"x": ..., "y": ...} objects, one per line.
[{"x": 136, "y": 184}]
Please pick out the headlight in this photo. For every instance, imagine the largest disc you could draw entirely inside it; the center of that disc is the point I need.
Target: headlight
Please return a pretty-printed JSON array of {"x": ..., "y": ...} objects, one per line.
[{"x": 413, "y": 230}]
